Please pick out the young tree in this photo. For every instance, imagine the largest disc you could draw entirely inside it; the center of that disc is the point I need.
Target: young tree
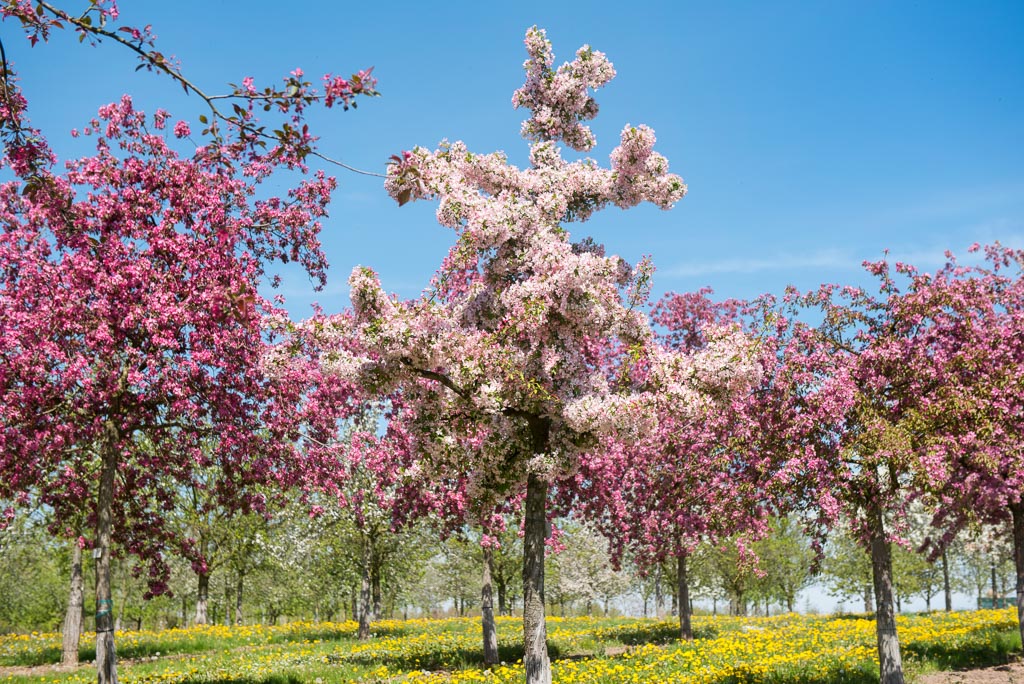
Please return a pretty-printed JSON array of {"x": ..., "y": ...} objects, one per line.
[{"x": 499, "y": 343}]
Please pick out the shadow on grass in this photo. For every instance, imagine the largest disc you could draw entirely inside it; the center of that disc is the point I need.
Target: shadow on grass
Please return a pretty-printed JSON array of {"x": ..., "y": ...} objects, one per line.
[{"x": 1001, "y": 648}]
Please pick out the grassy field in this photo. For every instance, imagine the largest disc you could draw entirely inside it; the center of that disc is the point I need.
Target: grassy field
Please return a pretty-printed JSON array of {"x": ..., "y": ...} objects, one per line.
[{"x": 786, "y": 649}]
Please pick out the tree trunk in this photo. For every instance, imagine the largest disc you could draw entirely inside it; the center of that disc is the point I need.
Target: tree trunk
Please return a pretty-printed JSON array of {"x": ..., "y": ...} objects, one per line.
[
  {"x": 946, "y": 589},
  {"x": 73, "y": 619},
  {"x": 106, "y": 657},
  {"x": 238, "y": 598},
  {"x": 869, "y": 599},
  {"x": 503, "y": 608},
  {"x": 490, "y": 631},
  {"x": 683, "y": 590},
  {"x": 375, "y": 562},
  {"x": 365, "y": 605},
  {"x": 885, "y": 619},
  {"x": 535, "y": 658},
  {"x": 202, "y": 598},
  {"x": 1017, "y": 511}
]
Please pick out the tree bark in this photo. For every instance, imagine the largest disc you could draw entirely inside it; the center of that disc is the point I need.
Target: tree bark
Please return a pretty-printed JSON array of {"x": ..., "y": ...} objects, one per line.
[
  {"x": 106, "y": 657},
  {"x": 503, "y": 608},
  {"x": 683, "y": 590},
  {"x": 203, "y": 598},
  {"x": 490, "y": 631},
  {"x": 535, "y": 658},
  {"x": 73, "y": 619},
  {"x": 1017, "y": 511},
  {"x": 375, "y": 563},
  {"x": 869, "y": 599},
  {"x": 889, "y": 658},
  {"x": 946, "y": 589},
  {"x": 365, "y": 606},
  {"x": 238, "y": 598}
]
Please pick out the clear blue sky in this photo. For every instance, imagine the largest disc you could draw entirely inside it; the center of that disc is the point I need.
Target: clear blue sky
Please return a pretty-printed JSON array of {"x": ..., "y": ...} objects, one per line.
[{"x": 812, "y": 135}]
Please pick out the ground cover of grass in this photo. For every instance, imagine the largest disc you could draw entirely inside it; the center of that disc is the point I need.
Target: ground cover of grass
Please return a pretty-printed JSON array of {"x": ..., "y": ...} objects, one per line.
[{"x": 787, "y": 649}]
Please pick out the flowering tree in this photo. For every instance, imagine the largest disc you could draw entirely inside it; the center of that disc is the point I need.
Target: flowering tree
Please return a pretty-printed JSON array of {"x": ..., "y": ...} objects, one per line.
[
  {"x": 131, "y": 330},
  {"x": 856, "y": 400},
  {"x": 500, "y": 341},
  {"x": 694, "y": 478},
  {"x": 973, "y": 321}
]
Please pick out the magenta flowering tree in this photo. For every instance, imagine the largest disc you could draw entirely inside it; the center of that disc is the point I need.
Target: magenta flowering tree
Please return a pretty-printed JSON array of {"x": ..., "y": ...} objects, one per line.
[
  {"x": 973, "y": 326},
  {"x": 855, "y": 401},
  {"x": 695, "y": 478},
  {"x": 131, "y": 332},
  {"x": 500, "y": 342}
]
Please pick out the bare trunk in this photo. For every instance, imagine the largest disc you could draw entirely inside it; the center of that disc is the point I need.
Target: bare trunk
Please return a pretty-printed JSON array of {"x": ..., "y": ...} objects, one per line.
[
  {"x": 203, "y": 598},
  {"x": 889, "y": 658},
  {"x": 946, "y": 589},
  {"x": 378, "y": 604},
  {"x": 238, "y": 599},
  {"x": 683, "y": 590},
  {"x": 503, "y": 608},
  {"x": 490, "y": 631},
  {"x": 1017, "y": 511},
  {"x": 869, "y": 599},
  {"x": 73, "y": 619},
  {"x": 364, "y": 595},
  {"x": 106, "y": 657},
  {"x": 535, "y": 658}
]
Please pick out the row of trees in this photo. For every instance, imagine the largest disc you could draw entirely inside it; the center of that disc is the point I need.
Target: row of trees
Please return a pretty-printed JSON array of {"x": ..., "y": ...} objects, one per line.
[
  {"x": 143, "y": 374},
  {"x": 295, "y": 571}
]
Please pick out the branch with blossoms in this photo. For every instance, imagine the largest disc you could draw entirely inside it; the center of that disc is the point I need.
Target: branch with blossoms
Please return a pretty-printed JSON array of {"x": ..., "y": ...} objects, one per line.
[{"x": 96, "y": 24}]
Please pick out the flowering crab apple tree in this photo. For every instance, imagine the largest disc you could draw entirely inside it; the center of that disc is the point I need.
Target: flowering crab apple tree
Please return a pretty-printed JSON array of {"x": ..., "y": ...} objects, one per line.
[
  {"x": 499, "y": 342},
  {"x": 851, "y": 404},
  {"x": 691, "y": 480},
  {"x": 131, "y": 332},
  {"x": 973, "y": 321}
]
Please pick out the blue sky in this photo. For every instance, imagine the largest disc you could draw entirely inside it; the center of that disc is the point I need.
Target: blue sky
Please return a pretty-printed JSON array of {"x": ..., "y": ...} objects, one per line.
[{"x": 811, "y": 135}]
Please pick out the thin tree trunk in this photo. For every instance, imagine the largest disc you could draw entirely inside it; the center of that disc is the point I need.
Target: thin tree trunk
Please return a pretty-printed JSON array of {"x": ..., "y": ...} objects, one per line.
[
  {"x": 683, "y": 590},
  {"x": 946, "y": 589},
  {"x": 869, "y": 599},
  {"x": 73, "y": 619},
  {"x": 238, "y": 598},
  {"x": 228, "y": 618},
  {"x": 490, "y": 631},
  {"x": 375, "y": 562},
  {"x": 106, "y": 657},
  {"x": 202, "y": 598},
  {"x": 889, "y": 658},
  {"x": 503, "y": 608},
  {"x": 535, "y": 658},
  {"x": 365, "y": 605},
  {"x": 1017, "y": 511}
]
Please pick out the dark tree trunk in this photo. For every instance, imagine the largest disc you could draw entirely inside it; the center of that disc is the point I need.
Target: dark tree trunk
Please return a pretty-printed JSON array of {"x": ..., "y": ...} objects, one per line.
[
  {"x": 889, "y": 658},
  {"x": 946, "y": 590},
  {"x": 73, "y": 619},
  {"x": 106, "y": 656},
  {"x": 203, "y": 599},
  {"x": 683, "y": 590},
  {"x": 538, "y": 666},
  {"x": 365, "y": 605},
  {"x": 490, "y": 631},
  {"x": 499, "y": 584},
  {"x": 1017, "y": 511}
]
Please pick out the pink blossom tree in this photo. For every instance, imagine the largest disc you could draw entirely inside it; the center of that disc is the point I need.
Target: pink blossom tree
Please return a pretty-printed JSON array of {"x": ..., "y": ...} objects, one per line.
[
  {"x": 695, "y": 478},
  {"x": 854, "y": 400},
  {"x": 132, "y": 331},
  {"x": 972, "y": 320},
  {"x": 499, "y": 343}
]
